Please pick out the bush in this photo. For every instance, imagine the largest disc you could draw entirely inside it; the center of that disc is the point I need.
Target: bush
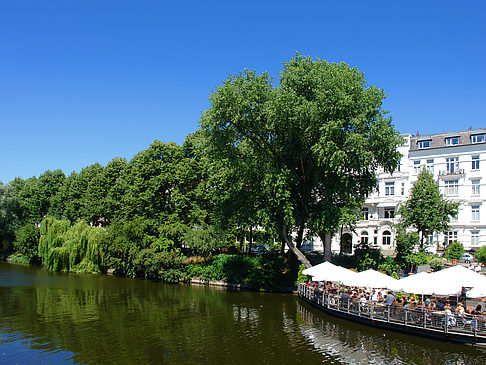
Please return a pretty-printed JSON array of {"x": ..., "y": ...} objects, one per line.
[
  {"x": 27, "y": 243},
  {"x": 436, "y": 264},
  {"x": 480, "y": 255},
  {"x": 159, "y": 266},
  {"x": 454, "y": 251},
  {"x": 301, "y": 278}
]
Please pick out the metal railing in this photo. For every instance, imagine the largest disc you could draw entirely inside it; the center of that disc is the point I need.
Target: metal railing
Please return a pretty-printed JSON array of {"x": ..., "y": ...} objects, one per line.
[{"x": 436, "y": 321}]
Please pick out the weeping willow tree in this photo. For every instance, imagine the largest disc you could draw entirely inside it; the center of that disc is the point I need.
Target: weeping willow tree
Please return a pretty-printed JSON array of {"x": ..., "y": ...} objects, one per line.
[{"x": 66, "y": 248}]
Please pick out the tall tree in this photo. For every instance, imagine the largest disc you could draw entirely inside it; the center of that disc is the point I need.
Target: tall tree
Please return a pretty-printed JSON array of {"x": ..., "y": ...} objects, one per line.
[
  {"x": 426, "y": 210},
  {"x": 9, "y": 212},
  {"x": 308, "y": 148}
]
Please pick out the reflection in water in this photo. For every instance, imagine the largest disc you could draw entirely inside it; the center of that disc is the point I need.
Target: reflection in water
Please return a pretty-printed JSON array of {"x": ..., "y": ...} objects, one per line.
[
  {"x": 61, "y": 318},
  {"x": 353, "y": 343}
]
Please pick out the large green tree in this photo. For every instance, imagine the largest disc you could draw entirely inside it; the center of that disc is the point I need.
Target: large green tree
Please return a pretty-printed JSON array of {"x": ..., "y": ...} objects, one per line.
[
  {"x": 306, "y": 148},
  {"x": 426, "y": 209}
]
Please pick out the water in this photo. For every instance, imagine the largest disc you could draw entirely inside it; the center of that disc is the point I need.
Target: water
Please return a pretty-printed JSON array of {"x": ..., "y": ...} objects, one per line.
[{"x": 83, "y": 319}]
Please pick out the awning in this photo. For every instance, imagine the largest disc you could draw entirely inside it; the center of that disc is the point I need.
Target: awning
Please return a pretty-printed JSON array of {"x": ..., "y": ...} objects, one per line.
[{"x": 388, "y": 204}]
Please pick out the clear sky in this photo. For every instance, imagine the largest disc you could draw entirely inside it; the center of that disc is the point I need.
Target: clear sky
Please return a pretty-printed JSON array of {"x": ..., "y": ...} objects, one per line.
[{"x": 86, "y": 81}]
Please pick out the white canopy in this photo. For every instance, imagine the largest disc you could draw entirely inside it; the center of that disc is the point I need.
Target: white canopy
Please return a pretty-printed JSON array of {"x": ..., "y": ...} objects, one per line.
[
  {"x": 478, "y": 291},
  {"x": 445, "y": 282},
  {"x": 330, "y": 272},
  {"x": 417, "y": 284},
  {"x": 374, "y": 279}
]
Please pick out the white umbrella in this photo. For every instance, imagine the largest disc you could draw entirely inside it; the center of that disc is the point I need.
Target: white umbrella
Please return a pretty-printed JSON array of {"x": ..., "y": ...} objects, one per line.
[
  {"x": 459, "y": 276},
  {"x": 330, "y": 272},
  {"x": 374, "y": 279},
  {"x": 417, "y": 284},
  {"x": 477, "y": 292}
]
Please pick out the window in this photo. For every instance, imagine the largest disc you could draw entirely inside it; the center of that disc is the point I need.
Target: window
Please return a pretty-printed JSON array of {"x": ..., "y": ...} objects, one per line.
[
  {"x": 416, "y": 167},
  {"x": 389, "y": 188},
  {"x": 475, "y": 212},
  {"x": 475, "y": 238},
  {"x": 475, "y": 186},
  {"x": 386, "y": 238},
  {"x": 366, "y": 213},
  {"x": 450, "y": 236},
  {"x": 364, "y": 238},
  {"x": 452, "y": 141},
  {"x": 478, "y": 138},
  {"x": 475, "y": 163},
  {"x": 403, "y": 188},
  {"x": 451, "y": 187},
  {"x": 429, "y": 239},
  {"x": 424, "y": 144},
  {"x": 430, "y": 165},
  {"x": 452, "y": 165},
  {"x": 389, "y": 212}
]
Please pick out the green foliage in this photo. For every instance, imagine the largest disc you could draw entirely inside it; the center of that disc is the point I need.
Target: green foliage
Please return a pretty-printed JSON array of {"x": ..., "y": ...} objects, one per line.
[
  {"x": 301, "y": 278},
  {"x": 367, "y": 258},
  {"x": 27, "y": 242},
  {"x": 395, "y": 275},
  {"x": 66, "y": 248},
  {"x": 123, "y": 242},
  {"x": 426, "y": 209},
  {"x": 159, "y": 266},
  {"x": 436, "y": 264},
  {"x": 260, "y": 272},
  {"x": 300, "y": 152},
  {"x": 454, "y": 251},
  {"x": 9, "y": 217},
  {"x": 205, "y": 240},
  {"x": 480, "y": 255},
  {"x": 388, "y": 266},
  {"x": 406, "y": 244},
  {"x": 18, "y": 258}
]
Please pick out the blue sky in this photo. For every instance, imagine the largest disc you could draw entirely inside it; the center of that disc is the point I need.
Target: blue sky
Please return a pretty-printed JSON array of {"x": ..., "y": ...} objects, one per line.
[{"x": 86, "y": 81}]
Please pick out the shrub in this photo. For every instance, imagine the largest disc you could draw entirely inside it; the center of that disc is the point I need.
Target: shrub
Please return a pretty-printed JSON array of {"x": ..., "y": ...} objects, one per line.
[
  {"x": 301, "y": 278},
  {"x": 454, "y": 251},
  {"x": 436, "y": 264}
]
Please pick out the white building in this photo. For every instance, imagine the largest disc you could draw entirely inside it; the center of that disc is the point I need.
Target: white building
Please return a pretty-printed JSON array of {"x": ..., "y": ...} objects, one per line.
[{"x": 457, "y": 161}]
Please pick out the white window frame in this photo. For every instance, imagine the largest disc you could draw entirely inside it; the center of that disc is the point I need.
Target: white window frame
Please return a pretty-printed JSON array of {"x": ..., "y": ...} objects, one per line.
[
  {"x": 424, "y": 144},
  {"x": 430, "y": 165},
  {"x": 389, "y": 213},
  {"x": 450, "y": 236},
  {"x": 416, "y": 167},
  {"x": 475, "y": 187},
  {"x": 364, "y": 238},
  {"x": 452, "y": 141},
  {"x": 475, "y": 162},
  {"x": 389, "y": 188},
  {"x": 477, "y": 138},
  {"x": 386, "y": 238},
  {"x": 452, "y": 164},
  {"x": 475, "y": 213},
  {"x": 475, "y": 238},
  {"x": 366, "y": 213},
  {"x": 451, "y": 187}
]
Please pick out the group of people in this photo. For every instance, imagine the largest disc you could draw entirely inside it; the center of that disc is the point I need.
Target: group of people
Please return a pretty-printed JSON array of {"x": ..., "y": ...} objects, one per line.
[{"x": 365, "y": 297}]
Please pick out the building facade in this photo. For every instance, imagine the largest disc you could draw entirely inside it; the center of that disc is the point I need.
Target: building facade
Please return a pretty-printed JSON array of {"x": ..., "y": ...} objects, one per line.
[{"x": 457, "y": 161}]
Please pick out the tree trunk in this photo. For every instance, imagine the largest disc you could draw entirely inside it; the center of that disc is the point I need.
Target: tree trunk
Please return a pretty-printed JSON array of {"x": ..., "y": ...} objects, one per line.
[
  {"x": 300, "y": 256},
  {"x": 251, "y": 240},
  {"x": 326, "y": 242},
  {"x": 300, "y": 236}
]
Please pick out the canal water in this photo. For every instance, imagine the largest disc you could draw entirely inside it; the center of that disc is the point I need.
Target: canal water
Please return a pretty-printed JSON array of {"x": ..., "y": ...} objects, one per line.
[{"x": 48, "y": 318}]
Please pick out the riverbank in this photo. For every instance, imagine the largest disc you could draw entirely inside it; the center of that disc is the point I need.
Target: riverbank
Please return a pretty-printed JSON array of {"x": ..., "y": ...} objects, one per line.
[{"x": 221, "y": 283}]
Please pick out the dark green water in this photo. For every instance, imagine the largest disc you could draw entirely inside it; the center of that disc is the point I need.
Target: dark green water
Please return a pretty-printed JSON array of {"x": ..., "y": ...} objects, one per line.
[{"x": 58, "y": 318}]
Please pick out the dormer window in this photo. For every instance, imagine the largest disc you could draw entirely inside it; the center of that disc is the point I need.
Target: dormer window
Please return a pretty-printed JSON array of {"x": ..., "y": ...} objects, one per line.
[
  {"x": 452, "y": 141},
  {"x": 424, "y": 144},
  {"x": 477, "y": 138}
]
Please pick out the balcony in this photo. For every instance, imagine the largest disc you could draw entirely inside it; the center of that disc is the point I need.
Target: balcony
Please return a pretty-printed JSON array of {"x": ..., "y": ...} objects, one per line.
[{"x": 451, "y": 173}]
